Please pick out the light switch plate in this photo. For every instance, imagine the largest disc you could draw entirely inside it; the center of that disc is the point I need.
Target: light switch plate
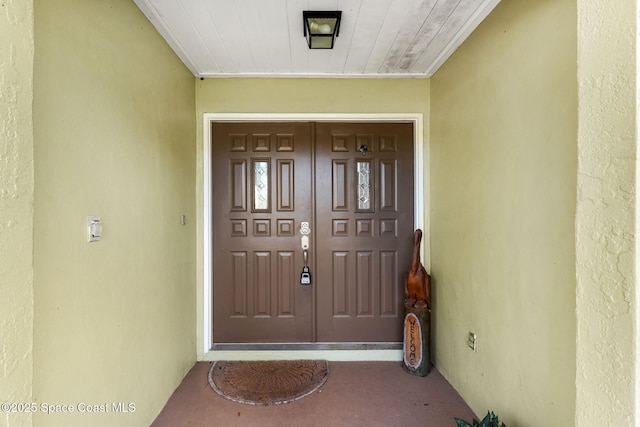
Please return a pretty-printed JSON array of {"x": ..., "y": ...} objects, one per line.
[
  {"x": 94, "y": 228},
  {"x": 471, "y": 341}
]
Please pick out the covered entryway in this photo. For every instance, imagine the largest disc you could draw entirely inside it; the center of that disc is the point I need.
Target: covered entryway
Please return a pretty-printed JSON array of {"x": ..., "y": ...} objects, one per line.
[{"x": 353, "y": 183}]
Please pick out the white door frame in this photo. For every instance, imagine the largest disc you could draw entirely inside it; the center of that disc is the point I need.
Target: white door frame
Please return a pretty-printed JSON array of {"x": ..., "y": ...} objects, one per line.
[{"x": 205, "y": 311}]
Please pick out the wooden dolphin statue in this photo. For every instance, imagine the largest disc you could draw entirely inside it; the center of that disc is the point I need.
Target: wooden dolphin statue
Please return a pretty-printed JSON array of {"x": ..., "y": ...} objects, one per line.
[{"x": 418, "y": 281}]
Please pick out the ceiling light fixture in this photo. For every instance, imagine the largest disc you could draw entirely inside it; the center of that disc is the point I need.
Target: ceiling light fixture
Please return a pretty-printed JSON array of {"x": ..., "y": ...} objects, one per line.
[{"x": 321, "y": 28}]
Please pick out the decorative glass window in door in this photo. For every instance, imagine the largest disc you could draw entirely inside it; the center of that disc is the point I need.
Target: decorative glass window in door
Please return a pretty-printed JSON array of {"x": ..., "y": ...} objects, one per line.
[
  {"x": 261, "y": 185},
  {"x": 364, "y": 174}
]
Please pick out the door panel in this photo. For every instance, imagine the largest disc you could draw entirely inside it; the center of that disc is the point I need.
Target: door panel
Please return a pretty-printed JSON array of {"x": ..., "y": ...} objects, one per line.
[
  {"x": 354, "y": 183},
  {"x": 364, "y": 222},
  {"x": 261, "y": 193}
]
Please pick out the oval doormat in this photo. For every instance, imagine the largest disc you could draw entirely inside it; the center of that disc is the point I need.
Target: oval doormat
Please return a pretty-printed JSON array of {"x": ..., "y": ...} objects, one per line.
[{"x": 267, "y": 382}]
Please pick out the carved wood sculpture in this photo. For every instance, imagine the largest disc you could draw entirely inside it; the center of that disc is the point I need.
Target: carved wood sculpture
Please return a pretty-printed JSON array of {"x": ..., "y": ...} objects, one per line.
[{"x": 418, "y": 281}]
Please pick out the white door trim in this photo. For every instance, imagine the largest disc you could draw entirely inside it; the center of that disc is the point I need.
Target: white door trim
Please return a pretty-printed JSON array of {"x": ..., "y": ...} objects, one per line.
[{"x": 205, "y": 314}]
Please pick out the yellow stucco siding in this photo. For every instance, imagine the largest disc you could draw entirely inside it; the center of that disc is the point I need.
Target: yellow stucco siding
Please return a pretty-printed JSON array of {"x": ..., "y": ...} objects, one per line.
[
  {"x": 114, "y": 131},
  {"x": 606, "y": 218},
  {"x": 503, "y": 185},
  {"x": 16, "y": 208}
]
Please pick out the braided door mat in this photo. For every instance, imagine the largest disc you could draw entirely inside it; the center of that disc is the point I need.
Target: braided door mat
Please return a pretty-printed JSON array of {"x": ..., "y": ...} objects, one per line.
[{"x": 267, "y": 382}]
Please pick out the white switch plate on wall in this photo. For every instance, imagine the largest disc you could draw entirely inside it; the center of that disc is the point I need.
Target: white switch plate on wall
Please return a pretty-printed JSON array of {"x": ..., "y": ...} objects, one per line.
[
  {"x": 471, "y": 341},
  {"x": 94, "y": 228}
]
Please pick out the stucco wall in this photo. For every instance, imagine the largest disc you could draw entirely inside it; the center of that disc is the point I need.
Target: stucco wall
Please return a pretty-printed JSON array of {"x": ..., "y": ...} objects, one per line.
[
  {"x": 114, "y": 137},
  {"x": 300, "y": 96},
  {"x": 605, "y": 222},
  {"x": 503, "y": 186},
  {"x": 16, "y": 207}
]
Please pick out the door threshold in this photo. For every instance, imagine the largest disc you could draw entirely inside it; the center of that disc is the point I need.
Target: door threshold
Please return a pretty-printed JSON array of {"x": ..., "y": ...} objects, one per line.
[{"x": 384, "y": 351}]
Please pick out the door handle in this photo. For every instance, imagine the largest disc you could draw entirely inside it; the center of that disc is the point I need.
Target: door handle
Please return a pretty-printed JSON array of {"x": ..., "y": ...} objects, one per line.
[{"x": 305, "y": 276}]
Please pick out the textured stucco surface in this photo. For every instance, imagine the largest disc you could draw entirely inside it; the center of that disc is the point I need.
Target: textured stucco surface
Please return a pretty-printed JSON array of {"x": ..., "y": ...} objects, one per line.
[
  {"x": 605, "y": 220},
  {"x": 114, "y": 129},
  {"x": 16, "y": 207},
  {"x": 503, "y": 186}
]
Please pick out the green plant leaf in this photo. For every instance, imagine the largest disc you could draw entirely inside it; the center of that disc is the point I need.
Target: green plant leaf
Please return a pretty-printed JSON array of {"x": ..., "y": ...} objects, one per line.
[
  {"x": 486, "y": 420},
  {"x": 490, "y": 420},
  {"x": 462, "y": 423}
]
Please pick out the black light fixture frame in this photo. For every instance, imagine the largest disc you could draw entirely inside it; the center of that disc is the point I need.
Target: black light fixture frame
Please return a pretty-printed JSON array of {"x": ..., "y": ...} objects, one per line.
[{"x": 329, "y": 14}]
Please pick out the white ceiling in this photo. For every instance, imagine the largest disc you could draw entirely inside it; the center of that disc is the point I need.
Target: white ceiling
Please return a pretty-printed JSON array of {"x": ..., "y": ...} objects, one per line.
[{"x": 378, "y": 38}]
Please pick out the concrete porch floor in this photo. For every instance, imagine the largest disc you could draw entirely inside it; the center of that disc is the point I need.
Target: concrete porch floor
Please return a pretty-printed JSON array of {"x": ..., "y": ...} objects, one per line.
[{"x": 355, "y": 394}]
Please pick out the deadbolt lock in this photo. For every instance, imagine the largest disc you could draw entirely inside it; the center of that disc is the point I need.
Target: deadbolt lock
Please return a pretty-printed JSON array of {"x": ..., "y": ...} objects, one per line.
[{"x": 304, "y": 228}]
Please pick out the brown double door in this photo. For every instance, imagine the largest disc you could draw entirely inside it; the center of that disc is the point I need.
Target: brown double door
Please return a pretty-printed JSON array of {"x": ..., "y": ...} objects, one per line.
[{"x": 353, "y": 184}]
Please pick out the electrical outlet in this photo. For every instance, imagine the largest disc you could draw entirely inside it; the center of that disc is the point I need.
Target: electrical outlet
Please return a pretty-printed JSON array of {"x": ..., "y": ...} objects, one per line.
[{"x": 471, "y": 341}]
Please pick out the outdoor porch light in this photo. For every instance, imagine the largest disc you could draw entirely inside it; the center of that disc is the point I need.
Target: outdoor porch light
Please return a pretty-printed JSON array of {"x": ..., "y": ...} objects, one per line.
[{"x": 321, "y": 28}]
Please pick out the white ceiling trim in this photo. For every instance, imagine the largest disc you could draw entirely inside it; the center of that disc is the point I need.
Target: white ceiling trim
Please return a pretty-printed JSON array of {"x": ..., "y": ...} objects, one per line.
[
  {"x": 462, "y": 34},
  {"x": 317, "y": 76}
]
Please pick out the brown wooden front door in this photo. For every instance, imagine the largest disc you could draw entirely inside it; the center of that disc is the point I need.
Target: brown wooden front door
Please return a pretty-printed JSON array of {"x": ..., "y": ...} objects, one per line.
[{"x": 353, "y": 183}]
